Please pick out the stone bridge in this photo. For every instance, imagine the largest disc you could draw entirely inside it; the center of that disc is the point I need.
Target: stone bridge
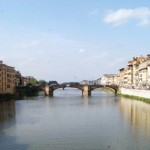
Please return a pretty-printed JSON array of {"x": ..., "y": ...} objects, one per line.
[{"x": 86, "y": 89}]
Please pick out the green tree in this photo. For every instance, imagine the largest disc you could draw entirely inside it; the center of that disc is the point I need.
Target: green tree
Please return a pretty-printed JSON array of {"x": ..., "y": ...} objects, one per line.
[
  {"x": 33, "y": 82},
  {"x": 42, "y": 83}
]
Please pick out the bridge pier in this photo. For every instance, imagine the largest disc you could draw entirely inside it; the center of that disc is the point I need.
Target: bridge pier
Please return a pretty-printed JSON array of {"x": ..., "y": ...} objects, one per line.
[
  {"x": 86, "y": 90},
  {"x": 115, "y": 92},
  {"x": 46, "y": 90},
  {"x": 51, "y": 91}
]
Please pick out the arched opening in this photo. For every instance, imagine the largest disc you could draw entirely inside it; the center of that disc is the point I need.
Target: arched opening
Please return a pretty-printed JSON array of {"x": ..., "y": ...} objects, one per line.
[
  {"x": 104, "y": 89},
  {"x": 67, "y": 92}
]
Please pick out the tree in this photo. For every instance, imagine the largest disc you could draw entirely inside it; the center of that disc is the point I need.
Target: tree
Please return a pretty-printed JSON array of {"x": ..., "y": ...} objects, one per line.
[
  {"x": 42, "y": 83},
  {"x": 32, "y": 82},
  {"x": 52, "y": 83}
]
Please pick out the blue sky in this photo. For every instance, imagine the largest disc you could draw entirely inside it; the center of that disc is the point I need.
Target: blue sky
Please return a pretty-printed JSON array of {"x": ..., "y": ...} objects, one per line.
[{"x": 72, "y": 40}]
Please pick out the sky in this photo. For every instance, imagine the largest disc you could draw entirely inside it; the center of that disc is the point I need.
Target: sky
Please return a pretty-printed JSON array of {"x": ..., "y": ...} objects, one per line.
[{"x": 73, "y": 40}]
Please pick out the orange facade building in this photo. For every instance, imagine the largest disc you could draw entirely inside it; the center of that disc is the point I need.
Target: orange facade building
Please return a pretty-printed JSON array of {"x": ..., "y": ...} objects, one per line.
[{"x": 7, "y": 79}]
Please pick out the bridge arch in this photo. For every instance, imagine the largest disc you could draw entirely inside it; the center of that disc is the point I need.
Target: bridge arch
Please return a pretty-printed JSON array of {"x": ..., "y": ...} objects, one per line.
[
  {"x": 96, "y": 87},
  {"x": 86, "y": 89},
  {"x": 113, "y": 87},
  {"x": 74, "y": 87},
  {"x": 53, "y": 88}
]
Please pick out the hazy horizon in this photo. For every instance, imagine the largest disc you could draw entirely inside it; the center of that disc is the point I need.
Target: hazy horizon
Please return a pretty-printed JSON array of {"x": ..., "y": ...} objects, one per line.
[{"x": 72, "y": 40}]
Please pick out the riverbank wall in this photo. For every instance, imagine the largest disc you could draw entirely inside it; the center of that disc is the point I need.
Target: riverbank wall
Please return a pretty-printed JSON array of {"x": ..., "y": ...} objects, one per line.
[
  {"x": 20, "y": 92},
  {"x": 6, "y": 96},
  {"x": 136, "y": 94}
]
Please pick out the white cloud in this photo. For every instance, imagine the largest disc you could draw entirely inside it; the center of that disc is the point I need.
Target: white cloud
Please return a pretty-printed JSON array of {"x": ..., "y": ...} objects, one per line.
[
  {"x": 121, "y": 16},
  {"x": 82, "y": 50}
]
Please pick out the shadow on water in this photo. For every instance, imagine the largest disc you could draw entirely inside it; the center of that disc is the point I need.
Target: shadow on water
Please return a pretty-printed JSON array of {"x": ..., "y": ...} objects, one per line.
[
  {"x": 7, "y": 110},
  {"x": 9, "y": 143},
  {"x": 7, "y": 120}
]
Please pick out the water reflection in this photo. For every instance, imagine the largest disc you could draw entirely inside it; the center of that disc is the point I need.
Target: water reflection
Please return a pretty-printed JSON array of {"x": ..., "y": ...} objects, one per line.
[
  {"x": 69, "y": 121},
  {"x": 137, "y": 112},
  {"x": 7, "y": 110},
  {"x": 7, "y": 120},
  {"x": 86, "y": 101}
]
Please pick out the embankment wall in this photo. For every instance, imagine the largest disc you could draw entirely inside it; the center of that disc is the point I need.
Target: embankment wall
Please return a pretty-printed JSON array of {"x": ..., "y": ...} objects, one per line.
[{"x": 135, "y": 92}]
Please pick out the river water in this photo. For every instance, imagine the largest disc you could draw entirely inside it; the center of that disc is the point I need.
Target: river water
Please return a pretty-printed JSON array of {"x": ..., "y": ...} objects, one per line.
[{"x": 68, "y": 121}]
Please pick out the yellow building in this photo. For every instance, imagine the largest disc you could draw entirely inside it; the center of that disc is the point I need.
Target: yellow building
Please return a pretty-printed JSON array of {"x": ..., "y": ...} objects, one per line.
[
  {"x": 137, "y": 73},
  {"x": 121, "y": 75},
  {"x": 7, "y": 79}
]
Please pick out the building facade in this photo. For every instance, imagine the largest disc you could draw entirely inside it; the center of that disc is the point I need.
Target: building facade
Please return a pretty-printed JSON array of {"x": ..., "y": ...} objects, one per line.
[
  {"x": 136, "y": 74},
  {"x": 110, "y": 79},
  {"x": 18, "y": 78},
  {"x": 7, "y": 79}
]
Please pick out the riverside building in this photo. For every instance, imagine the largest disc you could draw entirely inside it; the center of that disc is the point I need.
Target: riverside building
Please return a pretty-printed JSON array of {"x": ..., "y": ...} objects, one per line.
[
  {"x": 109, "y": 79},
  {"x": 7, "y": 79},
  {"x": 136, "y": 74}
]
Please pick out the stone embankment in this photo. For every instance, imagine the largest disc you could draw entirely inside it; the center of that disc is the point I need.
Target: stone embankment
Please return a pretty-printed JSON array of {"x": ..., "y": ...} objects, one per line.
[{"x": 135, "y": 93}]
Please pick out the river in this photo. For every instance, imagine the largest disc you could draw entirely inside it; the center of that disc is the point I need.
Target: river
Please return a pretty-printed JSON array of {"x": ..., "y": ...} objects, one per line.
[{"x": 68, "y": 121}]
